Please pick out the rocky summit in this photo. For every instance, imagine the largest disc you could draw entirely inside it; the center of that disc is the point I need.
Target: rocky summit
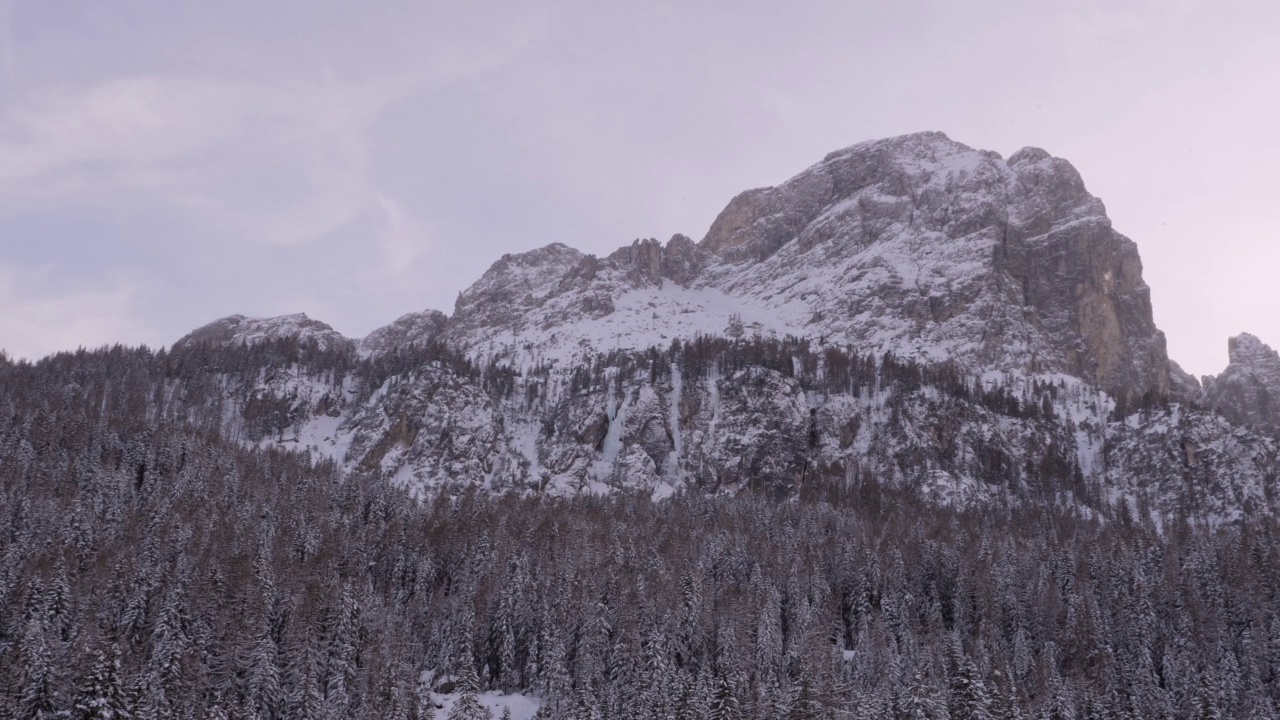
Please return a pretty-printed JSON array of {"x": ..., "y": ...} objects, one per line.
[
  {"x": 938, "y": 317},
  {"x": 240, "y": 330}
]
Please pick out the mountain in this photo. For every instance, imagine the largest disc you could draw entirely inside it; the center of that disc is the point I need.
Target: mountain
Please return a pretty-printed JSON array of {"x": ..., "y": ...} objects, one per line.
[{"x": 912, "y": 310}]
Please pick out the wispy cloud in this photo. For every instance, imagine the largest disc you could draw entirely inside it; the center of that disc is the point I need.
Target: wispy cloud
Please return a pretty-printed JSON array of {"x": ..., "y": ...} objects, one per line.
[{"x": 401, "y": 240}]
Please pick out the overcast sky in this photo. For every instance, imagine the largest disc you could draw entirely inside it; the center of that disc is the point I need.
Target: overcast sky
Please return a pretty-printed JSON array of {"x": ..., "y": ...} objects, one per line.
[{"x": 163, "y": 164}]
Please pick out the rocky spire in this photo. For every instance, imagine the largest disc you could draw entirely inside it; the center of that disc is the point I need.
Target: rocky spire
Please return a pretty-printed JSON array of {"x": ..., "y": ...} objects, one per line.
[{"x": 1248, "y": 391}]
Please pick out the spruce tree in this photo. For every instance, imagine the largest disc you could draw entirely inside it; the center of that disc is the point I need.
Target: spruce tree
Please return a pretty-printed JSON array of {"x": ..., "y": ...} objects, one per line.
[
  {"x": 101, "y": 695},
  {"x": 969, "y": 699},
  {"x": 467, "y": 705}
]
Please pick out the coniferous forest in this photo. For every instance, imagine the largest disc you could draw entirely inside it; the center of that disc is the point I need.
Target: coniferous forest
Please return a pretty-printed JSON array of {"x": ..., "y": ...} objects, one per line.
[{"x": 152, "y": 568}]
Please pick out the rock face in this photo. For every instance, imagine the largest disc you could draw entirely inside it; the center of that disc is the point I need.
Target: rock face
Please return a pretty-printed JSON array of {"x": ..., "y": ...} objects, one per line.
[
  {"x": 1248, "y": 391},
  {"x": 238, "y": 329},
  {"x": 917, "y": 245}
]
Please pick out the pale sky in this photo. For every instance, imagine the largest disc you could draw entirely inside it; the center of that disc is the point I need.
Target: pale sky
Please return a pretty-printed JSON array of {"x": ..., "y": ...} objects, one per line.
[{"x": 163, "y": 164}]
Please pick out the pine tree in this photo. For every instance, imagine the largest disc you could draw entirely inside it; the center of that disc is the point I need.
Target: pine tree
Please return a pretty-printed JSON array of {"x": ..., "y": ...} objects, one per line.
[
  {"x": 725, "y": 703},
  {"x": 100, "y": 695},
  {"x": 342, "y": 649},
  {"x": 585, "y": 706},
  {"x": 155, "y": 703},
  {"x": 305, "y": 696},
  {"x": 263, "y": 679},
  {"x": 807, "y": 702},
  {"x": 1206, "y": 700},
  {"x": 467, "y": 706},
  {"x": 557, "y": 684},
  {"x": 38, "y": 687},
  {"x": 1059, "y": 705},
  {"x": 921, "y": 702},
  {"x": 969, "y": 700},
  {"x": 169, "y": 638}
]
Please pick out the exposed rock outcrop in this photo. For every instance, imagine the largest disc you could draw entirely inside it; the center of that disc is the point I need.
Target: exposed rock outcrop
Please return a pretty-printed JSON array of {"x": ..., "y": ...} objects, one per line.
[
  {"x": 1184, "y": 387},
  {"x": 503, "y": 298}
]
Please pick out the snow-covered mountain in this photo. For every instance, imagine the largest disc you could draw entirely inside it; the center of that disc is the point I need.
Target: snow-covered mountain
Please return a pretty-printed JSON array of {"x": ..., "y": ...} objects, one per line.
[
  {"x": 908, "y": 310},
  {"x": 917, "y": 245}
]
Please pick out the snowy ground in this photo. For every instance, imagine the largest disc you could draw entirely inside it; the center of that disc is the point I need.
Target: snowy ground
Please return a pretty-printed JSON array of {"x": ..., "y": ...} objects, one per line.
[{"x": 523, "y": 707}]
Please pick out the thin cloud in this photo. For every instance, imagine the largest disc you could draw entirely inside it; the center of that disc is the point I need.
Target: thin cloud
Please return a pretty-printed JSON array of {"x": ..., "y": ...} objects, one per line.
[
  {"x": 128, "y": 123},
  {"x": 400, "y": 239}
]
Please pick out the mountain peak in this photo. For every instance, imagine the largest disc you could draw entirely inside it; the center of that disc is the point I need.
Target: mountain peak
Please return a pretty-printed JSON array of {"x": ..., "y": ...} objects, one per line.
[
  {"x": 917, "y": 245},
  {"x": 1248, "y": 391},
  {"x": 1029, "y": 154},
  {"x": 926, "y": 168},
  {"x": 511, "y": 286},
  {"x": 923, "y": 245},
  {"x": 411, "y": 329},
  {"x": 239, "y": 329},
  {"x": 1246, "y": 348},
  {"x": 909, "y": 142}
]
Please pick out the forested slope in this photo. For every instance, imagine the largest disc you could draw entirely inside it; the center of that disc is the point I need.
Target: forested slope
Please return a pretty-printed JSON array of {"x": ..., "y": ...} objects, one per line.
[{"x": 153, "y": 567}]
